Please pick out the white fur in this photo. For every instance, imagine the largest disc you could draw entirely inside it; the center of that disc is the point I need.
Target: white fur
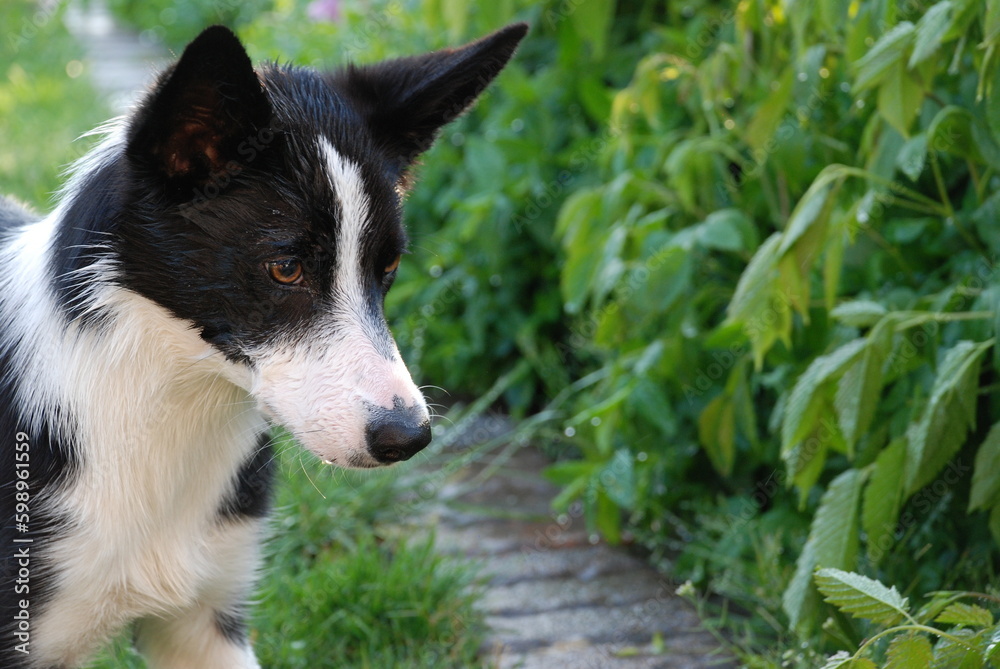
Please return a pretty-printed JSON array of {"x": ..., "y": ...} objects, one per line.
[
  {"x": 165, "y": 431},
  {"x": 319, "y": 384}
]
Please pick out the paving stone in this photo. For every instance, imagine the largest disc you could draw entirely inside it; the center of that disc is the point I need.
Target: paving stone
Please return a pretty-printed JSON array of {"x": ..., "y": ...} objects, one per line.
[
  {"x": 635, "y": 623},
  {"x": 615, "y": 589},
  {"x": 532, "y": 565},
  {"x": 581, "y": 655},
  {"x": 507, "y": 536}
]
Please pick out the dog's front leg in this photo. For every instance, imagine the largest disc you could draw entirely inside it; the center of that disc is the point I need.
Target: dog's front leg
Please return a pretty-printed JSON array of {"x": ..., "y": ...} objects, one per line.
[{"x": 212, "y": 633}]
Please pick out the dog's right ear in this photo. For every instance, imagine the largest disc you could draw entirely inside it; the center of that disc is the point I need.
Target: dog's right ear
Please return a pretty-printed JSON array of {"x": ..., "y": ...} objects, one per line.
[{"x": 201, "y": 110}]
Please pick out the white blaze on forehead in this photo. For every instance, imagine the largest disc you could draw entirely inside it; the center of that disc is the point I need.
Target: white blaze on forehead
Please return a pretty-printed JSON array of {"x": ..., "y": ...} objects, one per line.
[
  {"x": 322, "y": 385},
  {"x": 347, "y": 184}
]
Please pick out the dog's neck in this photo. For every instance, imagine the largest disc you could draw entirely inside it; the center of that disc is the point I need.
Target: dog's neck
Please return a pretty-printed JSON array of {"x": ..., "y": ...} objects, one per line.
[{"x": 138, "y": 385}]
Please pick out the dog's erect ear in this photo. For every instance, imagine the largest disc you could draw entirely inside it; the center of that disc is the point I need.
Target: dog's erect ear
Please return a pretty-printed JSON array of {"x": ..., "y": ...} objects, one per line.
[
  {"x": 406, "y": 101},
  {"x": 201, "y": 110}
]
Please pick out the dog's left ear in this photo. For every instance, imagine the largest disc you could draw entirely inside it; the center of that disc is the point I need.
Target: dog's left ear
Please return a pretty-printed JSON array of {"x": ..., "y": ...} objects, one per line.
[{"x": 406, "y": 101}]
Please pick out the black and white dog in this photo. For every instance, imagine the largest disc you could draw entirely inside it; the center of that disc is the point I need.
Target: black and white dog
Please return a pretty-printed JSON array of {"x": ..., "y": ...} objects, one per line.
[{"x": 218, "y": 263}]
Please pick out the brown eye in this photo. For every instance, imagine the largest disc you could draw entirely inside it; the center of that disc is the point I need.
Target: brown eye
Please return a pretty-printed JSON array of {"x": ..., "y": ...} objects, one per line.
[
  {"x": 391, "y": 267},
  {"x": 285, "y": 270}
]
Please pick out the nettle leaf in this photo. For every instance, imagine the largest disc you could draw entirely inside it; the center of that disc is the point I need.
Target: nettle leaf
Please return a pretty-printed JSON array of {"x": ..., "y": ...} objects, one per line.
[
  {"x": 859, "y": 313},
  {"x": 844, "y": 660},
  {"x": 717, "y": 433},
  {"x": 862, "y": 597},
  {"x": 802, "y": 410},
  {"x": 969, "y": 615},
  {"x": 880, "y": 59},
  {"x": 993, "y": 649},
  {"x": 950, "y": 654},
  {"x": 950, "y": 131},
  {"x": 578, "y": 223},
  {"x": 883, "y": 499},
  {"x": 758, "y": 305},
  {"x": 986, "y": 475},
  {"x": 913, "y": 156},
  {"x": 909, "y": 651},
  {"x": 800, "y": 600},
  {"x": 931, "y": 29},
  {"x": 832, "y": 543},
  {"x": 833, "y": 260},
  {"x": 899, "y": 98},
  {"x": 618, "y": 479},
  {"x": 860, "y": 388},
  {"x": 723, "y": 230},
  {"x": 805, "y": 464},
  {"x": 769, "y": 114},
  {"x": 948, "y": 416}
]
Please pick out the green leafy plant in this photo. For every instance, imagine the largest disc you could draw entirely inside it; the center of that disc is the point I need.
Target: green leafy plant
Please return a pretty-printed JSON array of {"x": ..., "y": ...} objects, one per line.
[{"x": 950, "y": 630}]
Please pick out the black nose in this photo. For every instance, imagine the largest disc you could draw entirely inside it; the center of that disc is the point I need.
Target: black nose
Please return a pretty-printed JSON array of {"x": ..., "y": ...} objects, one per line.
[{"x": 397, "y": 434}]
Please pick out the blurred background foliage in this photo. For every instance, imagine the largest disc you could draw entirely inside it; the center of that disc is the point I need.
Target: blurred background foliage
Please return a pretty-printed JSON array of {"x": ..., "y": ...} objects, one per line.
[{"x": 741, "y": 259}]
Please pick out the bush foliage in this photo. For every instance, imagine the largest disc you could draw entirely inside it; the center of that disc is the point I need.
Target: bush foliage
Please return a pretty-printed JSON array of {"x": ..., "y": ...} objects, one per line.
[{"x": 744, "y": 254}]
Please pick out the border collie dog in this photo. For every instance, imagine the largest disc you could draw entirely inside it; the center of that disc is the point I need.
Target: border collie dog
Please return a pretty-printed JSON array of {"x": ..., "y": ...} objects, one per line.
[{"x": 217, "y": 264}]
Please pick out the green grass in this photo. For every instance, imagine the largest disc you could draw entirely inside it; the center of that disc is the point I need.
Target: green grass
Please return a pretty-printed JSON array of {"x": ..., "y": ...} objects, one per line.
[
  {"x": 342, "y": 587},
  {"x": 43, "y": 109}
]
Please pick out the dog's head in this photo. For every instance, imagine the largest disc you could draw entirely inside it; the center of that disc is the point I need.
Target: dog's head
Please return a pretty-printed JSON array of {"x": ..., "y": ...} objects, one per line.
[{"x": 264, "y": 207}]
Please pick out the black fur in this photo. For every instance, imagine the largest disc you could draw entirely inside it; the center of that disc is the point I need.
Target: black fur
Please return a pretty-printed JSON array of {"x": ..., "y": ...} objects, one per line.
[{"x": 251, "y": 494}]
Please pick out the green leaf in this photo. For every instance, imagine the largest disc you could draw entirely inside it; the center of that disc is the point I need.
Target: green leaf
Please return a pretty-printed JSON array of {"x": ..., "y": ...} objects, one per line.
[
  {"x": 608, "y": 518},
  {"x": 969, "y": 615},
  {"x": 803, "y": 406},
  {"x": 908, "y": 651},
  {"x": 722, "y": 230},
  {"x": 859, "y": 313},
  {"x": 757, "y": 304},
  {"x": 860, "y": 388},
  {"x": 883, "y": 500},
  {"x": 805, "y": 463},
  {"x": 717, "y": 433},
  {"x": 844, "y": 660},
  {"x": 578, "y": 223},
  {"x": 950, "y": 131},
  {"x": 617, "y": 479},
  {"x": 832, "y": 543},
  {"x": 768, "y": 117},
  {"x": 913, "y": 156},
  {"x": 930, "y": 30},
  {"x": 887, "y": 52},
  {"x": 899, "y": 98},
  {"x": 592, "y": 20},
  {"x": 862, "y": 597},
  {"x": 948, "y": 416},
  {"x": 986, "y": 475},
  {"x": 813, "y": 208},
  {"x": 563, "y": 473},
  {"x": 951, "y": 655},
  {"x": 833, "y": 262}
]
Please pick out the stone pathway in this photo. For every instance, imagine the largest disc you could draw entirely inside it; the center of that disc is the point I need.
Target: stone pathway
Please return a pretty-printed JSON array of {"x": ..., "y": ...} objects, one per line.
[{"x": 553, "y": 598}]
